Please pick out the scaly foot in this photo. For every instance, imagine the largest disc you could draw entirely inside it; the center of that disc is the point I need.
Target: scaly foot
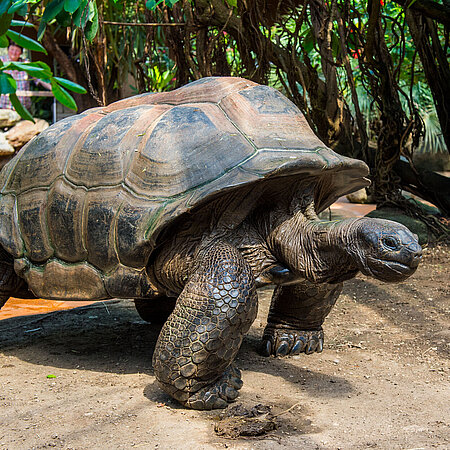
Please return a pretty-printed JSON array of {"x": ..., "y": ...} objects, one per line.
[
  {"x": 220, "y": 393},
  {"x": 289, "y": 341}
]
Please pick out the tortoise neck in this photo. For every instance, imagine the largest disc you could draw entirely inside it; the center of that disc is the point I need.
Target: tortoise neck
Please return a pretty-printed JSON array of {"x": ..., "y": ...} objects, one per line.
[{"x": 320, "y": 251}]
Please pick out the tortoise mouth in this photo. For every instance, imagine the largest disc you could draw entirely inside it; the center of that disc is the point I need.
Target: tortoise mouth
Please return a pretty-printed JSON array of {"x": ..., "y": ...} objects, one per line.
[{"x": 388, "y": 270}]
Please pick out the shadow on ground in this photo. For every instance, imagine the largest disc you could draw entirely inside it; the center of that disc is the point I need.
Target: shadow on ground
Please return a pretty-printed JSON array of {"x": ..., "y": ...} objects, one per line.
[{"x": 112, "y": 338}]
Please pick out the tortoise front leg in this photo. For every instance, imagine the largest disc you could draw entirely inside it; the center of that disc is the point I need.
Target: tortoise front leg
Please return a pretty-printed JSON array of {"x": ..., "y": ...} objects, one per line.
[
  {"x": 195, "y": 349},
  {"x": 294, "y": 324}
]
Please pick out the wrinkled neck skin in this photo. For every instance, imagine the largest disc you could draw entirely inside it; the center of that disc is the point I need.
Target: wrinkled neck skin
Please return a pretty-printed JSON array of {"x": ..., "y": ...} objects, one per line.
[
  {"x": 315, "y": 250},
  {"x": 283, "y": 245}
]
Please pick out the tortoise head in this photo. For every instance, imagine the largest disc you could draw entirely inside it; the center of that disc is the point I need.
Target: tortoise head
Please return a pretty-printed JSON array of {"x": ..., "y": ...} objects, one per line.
[{"x": 385, "y": 249}]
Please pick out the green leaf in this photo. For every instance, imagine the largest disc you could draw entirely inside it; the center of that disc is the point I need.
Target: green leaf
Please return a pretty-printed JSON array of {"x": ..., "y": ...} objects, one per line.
[
  {"x": 23, "y": 11},
  {"x": 70, "y": 85},
  {"x": 25, "y": 41},
  {"x": 170, "y": 3},
  {"x": 81, "y": 15},
  {"x": 41, "y": 30},
  {"x": 4, "y": 41},
  {"x": 19, "y": 108},
  {"x": 152, "y": 4},
  {"x": 16, "y": 6},
  {"x": 71, "y": 5},
  {"x": 64, "y": 19},
  {"x": 5, "y": 23},
  {"x": 29, "y": 68},
  {"x": 92, "y": 26},
  {"x": 308, "y": 42},
  {"x": 91, "y": 30},
  {"x": 232, "y": 3},
  {"x": 8, "y": 84},
  {"x": 21, "y": 23},
  {"x": 4, "y": 6},
  {"x": 63, "y": 96},
  {"x": 335, "y": 45},
  {"x": 43, "y": 65},
  {"x": 51, "y": 376},
  {"x": 92, "y": 9},
  {"x": 52, "y": 10}
]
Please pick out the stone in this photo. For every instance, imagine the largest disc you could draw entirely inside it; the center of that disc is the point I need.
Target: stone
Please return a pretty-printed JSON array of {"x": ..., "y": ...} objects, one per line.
[
  {"x": 5, "y": 147},
  {"x": 8, "y": 118},
  {"x": 24, "y": 131},
  {"x": 359, "y": 196}
]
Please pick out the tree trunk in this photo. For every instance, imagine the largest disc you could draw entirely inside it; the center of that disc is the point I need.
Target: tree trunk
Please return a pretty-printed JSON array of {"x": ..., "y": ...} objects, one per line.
[
  {"x": 379, "y": 70},
  {"x": 425, "y": 184},
  {"x": 435, "y": 65}
]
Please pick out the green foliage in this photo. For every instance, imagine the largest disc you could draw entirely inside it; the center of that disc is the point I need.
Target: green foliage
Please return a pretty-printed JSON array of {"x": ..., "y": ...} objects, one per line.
[
  {"x": 82, "y": 13},
  {"x": 8, "y": 84},
  {"x": 152, "y": 4},
  {"x": 70, "y": 85},
  {"x": 39, "y": 70},
  {"x": 23, "y": 112},
  {"x": 62, "y": 95},
  {"x": 144, "y": 52},
  {"x": 25, "y": 41},
  {"x": 161, "y": 81}
]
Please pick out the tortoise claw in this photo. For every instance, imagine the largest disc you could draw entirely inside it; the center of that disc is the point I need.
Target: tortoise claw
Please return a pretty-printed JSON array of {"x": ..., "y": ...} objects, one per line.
[
  {"x": 283, "y": 342},
  {"x": 299, "y": 346},
  {"x": 266, "y": 348},
  {"x": 283, "y": 349}
]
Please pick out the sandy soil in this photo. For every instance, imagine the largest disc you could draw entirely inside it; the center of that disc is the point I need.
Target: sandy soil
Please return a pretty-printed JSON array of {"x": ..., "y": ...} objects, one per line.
[{"x": 82, "y": 379}]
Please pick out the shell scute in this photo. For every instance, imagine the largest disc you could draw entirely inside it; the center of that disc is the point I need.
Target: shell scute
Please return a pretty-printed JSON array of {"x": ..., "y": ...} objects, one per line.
[
  {"x": 266, "y": 100},
  {"x": 10, "y": 238},
  {"x": 134, "y": 220},
  {"x": 65, "y": 220},
  {"x": 269, "y": 119},
  {"x": 56, "y": 280},
  {"x": 32, "y": 209},
  {"x": 101, "y": 207},
  {"x": 43, "y": 159},
  {"x": 187, "y": 147},
  {"x": 128, "y": 282},
  {"x": 101, "y": 158}
]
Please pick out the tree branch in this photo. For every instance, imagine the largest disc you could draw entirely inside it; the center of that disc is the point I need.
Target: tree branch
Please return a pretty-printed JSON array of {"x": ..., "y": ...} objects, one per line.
[{"x": 429, "y": 8}]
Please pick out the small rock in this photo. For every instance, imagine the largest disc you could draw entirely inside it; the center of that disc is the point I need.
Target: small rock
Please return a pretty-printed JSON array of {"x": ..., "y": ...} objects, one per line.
[
  {"x": 5, "y": 146},
  {"x": 8, "y": 118},
  {"x": 24, "y": 131},
  {"x": 358, "y": 196}
]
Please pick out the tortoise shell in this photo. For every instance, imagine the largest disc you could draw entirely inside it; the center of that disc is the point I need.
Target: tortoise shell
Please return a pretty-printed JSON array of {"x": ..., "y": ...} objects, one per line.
[{"x": 83, "y": 203}]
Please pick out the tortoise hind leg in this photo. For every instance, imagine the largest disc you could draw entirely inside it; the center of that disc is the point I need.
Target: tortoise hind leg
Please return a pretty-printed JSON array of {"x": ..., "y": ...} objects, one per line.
[
  {"x": 294, "y": 324},
  {"x": 195, "y": 349},
  {"x": 155, "y": 310},
  {"x": 11, "y": 285}
]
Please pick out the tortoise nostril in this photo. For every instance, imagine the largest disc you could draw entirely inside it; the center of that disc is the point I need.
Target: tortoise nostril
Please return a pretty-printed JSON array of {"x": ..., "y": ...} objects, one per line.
[{"x": 416, "y": 258}]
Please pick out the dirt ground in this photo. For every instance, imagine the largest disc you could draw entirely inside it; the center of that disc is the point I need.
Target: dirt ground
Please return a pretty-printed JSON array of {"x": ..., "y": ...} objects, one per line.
[{"x": 82, "y": 378}]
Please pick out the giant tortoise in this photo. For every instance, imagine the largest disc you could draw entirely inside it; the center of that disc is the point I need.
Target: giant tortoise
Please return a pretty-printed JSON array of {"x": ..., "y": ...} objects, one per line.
[{"x": 187, "y": 202}]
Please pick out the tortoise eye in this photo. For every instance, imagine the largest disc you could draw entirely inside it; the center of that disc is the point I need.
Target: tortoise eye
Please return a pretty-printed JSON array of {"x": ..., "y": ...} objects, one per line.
[{"x": 390, "y": 243}]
